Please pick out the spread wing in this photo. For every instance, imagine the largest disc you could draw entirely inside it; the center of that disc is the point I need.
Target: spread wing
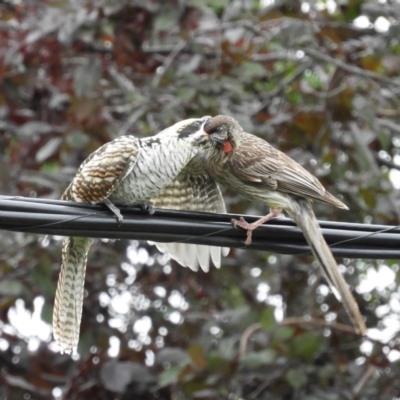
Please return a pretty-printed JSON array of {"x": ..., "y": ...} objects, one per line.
[
  {"x": 192, "y": 191},
  {"x": 259, "y": 163},
  {"x": 103, "y": 170}
]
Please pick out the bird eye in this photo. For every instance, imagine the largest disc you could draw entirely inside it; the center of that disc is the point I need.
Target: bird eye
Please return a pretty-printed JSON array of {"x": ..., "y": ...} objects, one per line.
[{"x": 220, "y": 129}]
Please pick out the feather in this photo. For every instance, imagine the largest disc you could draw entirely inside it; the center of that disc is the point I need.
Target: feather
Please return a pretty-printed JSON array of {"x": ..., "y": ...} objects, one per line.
[
  {"x": 192, "y": 190},
  {"x": 260, "y": 172}
]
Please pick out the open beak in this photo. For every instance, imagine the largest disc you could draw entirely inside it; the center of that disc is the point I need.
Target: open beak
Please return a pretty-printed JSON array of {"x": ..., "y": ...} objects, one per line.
[{"x": 220, "y": 139}]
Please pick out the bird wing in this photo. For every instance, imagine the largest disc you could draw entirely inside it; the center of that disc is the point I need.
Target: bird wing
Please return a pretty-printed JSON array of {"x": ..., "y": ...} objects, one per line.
[
  {"x": 192, "y": 191},
  {"x": 103, "y": 170},
  {"x": 259, "y": 163},
  {"x": 94, "y": 181}
]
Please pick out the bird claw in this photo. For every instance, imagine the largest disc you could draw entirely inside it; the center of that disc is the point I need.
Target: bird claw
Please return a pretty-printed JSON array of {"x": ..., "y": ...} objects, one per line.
[
  {"x": 254, "y": 225},
  {"x": 147, "y": 208},
  {"x": 115, "y": 210},
  {"x": 234, "y": 222},
  {"x": 119, "y": 217},
  {"x": 242, "y": 223}
]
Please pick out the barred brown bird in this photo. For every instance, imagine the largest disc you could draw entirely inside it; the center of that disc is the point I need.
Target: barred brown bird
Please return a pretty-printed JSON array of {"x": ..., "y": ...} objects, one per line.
[
  {"x": 258, "y": 171},
  {"x": 192, "y": 190},
  {"x": 125, "y": 171}
]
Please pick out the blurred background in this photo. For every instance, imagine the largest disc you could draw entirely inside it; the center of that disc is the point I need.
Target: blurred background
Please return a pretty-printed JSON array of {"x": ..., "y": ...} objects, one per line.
[{"x": 319, "y": 79}]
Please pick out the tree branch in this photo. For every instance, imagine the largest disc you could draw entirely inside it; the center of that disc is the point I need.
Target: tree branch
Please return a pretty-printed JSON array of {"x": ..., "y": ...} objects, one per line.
[
  {"x": 373, "y": 165},
  {"x": 349, "y": 68}
]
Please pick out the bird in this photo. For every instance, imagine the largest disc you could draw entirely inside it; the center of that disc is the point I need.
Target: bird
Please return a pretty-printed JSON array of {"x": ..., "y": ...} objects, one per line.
[
  {"x": 125, "y": 171},
  {"x": 192, "y": 190},
  {"x": 252, "y": 167}
]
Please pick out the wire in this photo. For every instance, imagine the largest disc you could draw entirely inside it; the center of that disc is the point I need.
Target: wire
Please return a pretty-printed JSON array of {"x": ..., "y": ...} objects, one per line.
[{"x": 280, "y": 235}]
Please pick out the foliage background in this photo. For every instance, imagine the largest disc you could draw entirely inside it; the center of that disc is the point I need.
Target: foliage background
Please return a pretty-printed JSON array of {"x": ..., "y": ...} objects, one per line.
[{"x": 318, "y": 79}]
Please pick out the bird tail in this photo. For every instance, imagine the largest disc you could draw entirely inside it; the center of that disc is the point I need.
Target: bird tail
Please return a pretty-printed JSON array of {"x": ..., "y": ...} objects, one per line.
[
  {"x": 68, "y": 301},
  {"x": 303, "y": 214}
]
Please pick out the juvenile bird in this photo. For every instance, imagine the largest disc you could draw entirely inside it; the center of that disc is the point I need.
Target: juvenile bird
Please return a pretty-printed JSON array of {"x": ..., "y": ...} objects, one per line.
[
  {"x": 126, "y": 171},
  {"x": 251, "y": 166}
]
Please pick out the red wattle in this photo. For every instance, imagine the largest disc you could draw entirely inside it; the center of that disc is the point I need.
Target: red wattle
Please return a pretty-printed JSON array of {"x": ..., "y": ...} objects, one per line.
[{"x": 227, "y": 147}]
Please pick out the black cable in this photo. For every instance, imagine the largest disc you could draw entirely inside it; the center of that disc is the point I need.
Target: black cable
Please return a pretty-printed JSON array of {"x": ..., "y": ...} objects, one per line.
[{"x": 56, "y": 217}]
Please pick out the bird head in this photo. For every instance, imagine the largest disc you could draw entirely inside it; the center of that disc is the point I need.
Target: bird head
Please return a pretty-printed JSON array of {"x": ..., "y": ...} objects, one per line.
[
  {"x": 221, "y": 136},
  {"x": 224, "y": 132},
  {"x": 190, "y": 130}
]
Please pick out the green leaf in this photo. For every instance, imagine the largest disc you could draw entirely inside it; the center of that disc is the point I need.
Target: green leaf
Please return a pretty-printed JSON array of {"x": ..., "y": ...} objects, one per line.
[
  {"x": 165, "y": 21},
  {"x": 283, "y": 333},
  {"x": 296, "y": 378},
  {"x": 197, "y": 3},
  {"x": 208, "y": 101},
  {"x": 50, "y": 166},
  {"x": 314, "y": 81},
  {"x": 41, "y": 275},
  {"x": 170, "y": 376},
  {"x": 268, "y": 321},
  {"x": 186, "y": 93},
  {"x": 47, "y": 312},
  {"x": 306, "y": 345},
  {"x": 385, "y": 139},
  {"x": 255, "y": 359},
  {"x": 218, "y": 3},
  {"x": 368, "y": 196},
  {"x": 173, "y": 356},
  {"x": 77, "y": 140},
  {"x": 217, "y": 364},
  {"x": 227, "y": 348},
  {"x": 197, "y": 355},
  {"x": 11, "y": 288},
  {"x": 249, "y": 69},
  {"x": 233, "y": 85},
  {"x": 280, "y": 66},
  {"x": 293, "y": 96}
]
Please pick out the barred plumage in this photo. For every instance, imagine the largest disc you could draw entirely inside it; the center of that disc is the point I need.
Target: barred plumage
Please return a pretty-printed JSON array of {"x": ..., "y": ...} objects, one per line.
[
  {"x": 68, "y": 301},
  {"x": 192, "y": 190},
  {"x": 125, "y": 171},
  {"x": 103, "y": 170}
]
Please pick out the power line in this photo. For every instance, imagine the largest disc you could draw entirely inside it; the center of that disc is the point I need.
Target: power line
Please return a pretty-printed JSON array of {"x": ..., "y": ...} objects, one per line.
[{"x": 56, "y": 217}]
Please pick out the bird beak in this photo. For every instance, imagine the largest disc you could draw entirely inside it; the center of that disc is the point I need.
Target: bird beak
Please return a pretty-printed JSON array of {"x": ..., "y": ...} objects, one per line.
[
  {"x": 203, "y": 123},
  {"x": 219, "y": 138}
]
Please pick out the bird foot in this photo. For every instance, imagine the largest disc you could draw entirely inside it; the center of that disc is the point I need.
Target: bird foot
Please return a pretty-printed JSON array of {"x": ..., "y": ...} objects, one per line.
[
  {"x": 242, "y": 223},
  {"x": 147, "y": 208},
  {"x": 115, "y": 210}
]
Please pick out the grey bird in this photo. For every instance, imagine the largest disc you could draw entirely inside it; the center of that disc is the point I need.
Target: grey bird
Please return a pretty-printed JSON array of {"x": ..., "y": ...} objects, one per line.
[
  {"x": 126, "y": 171},
  {"x": 252, "y": 167}
]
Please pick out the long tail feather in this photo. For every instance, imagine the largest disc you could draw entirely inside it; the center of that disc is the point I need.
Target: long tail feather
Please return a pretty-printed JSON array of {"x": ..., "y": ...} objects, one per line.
[
  {"x": 304, "y": 217},
  {"x": 68, "y": 301}
]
